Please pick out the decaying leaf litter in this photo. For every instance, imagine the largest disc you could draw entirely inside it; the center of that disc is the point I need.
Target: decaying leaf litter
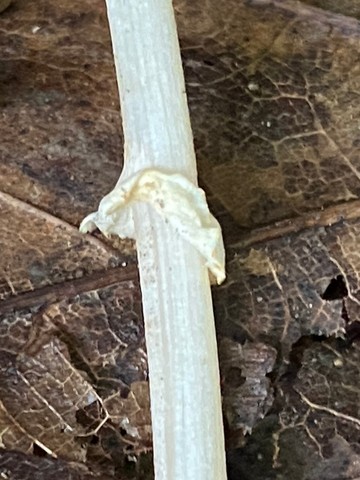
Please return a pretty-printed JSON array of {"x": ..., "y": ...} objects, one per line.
[{"x": 273, "y": 97}]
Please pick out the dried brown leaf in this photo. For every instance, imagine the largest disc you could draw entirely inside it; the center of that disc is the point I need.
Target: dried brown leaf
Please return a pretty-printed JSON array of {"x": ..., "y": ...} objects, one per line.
[
  {"x": 350, "y": 8},
  {"x": 273, "y": 94},
  {"x": 273, "y": 90},
  {"x": 247, "y": 392},
  {"x": 18, "y": 466}
]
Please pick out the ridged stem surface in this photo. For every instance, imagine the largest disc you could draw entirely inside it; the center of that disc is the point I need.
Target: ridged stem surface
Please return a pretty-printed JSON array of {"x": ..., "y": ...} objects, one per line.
[{"x": 179, "y": 322}]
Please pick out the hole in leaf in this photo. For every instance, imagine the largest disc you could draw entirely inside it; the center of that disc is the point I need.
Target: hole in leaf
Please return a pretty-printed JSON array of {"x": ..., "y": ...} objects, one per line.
[
  {"x": 209, "y": 63},
  {"x": 344, "y": 313},
  {"x": 336, "y": 290},
  {"x": 38, "y": 451},
  {"x": 94, "y": 440},
  {"x": 352, "y": 333},
  {"x": 297, "y": 353},
  {"x": 352, "y": 330}
]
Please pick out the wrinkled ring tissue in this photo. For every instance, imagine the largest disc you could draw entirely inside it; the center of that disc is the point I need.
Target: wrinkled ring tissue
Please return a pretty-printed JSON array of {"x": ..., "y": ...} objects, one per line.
[{"x": 176, "y": 199}]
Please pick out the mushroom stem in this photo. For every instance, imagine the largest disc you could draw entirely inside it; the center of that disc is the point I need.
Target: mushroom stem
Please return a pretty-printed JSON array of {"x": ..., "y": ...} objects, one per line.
[{"x": 179, "y": 322}]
